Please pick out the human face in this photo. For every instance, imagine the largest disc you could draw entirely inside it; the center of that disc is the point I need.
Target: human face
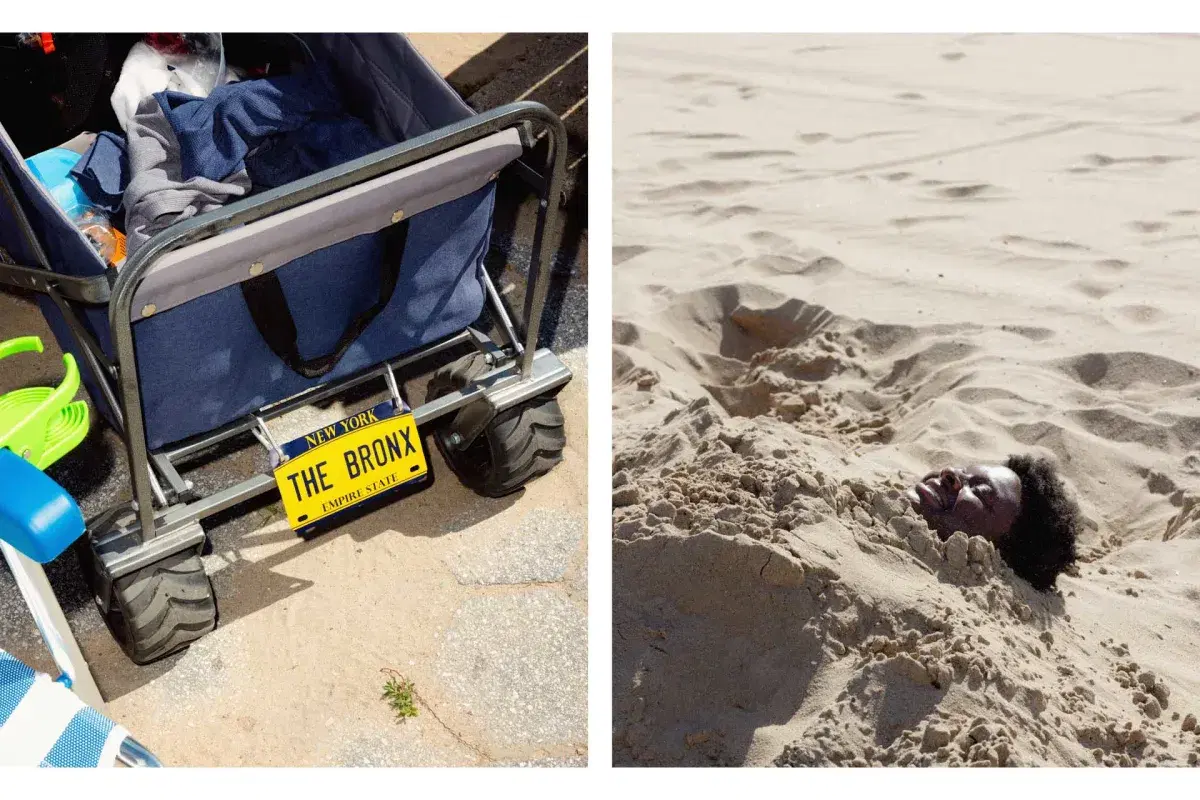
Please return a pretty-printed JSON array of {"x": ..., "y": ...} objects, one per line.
[{"x": 979, "y": 500}]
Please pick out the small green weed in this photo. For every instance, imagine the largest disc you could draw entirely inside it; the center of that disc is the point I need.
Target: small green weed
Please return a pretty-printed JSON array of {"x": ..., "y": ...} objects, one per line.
[{"x": 401, "y": 695}]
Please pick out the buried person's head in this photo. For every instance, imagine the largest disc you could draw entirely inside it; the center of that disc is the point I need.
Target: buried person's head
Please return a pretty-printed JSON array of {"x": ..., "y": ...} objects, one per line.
[{"x": 1021, "y": 507}]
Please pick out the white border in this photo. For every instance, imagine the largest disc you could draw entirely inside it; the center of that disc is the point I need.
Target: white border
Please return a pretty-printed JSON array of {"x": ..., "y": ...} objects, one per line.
[
  {"x": 600, "y": 105},
  {"x": 599, "y": 19},
  {"x": 603, "y": 18}
]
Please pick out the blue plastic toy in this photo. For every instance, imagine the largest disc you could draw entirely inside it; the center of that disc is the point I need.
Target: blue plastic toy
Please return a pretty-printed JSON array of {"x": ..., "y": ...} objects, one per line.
[{"x": 37, "y": 516}]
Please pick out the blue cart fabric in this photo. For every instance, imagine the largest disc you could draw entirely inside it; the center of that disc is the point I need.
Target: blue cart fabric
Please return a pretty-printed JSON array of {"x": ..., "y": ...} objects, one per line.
[{"x": 204, "y": 364}]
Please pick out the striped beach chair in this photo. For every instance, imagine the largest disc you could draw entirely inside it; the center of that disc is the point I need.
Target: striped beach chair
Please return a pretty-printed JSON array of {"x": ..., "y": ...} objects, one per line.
[
  {"x": 43, "y": 721},
  {"x": 44, "y": 724}
]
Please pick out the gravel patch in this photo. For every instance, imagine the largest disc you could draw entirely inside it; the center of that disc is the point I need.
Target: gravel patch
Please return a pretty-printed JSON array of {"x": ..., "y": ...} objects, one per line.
[
  {"x": 575, "y": 761},
  {"x": 538, "y": 550},
  {"x": 518, "y": 664},
  {"x": 406, "y": 746}
]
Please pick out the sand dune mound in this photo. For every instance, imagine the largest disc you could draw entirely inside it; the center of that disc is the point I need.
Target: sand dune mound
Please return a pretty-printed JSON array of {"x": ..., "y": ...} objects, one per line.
[
  {"x": 777, "y": 602},
  {"x": 767, "y": 612}
]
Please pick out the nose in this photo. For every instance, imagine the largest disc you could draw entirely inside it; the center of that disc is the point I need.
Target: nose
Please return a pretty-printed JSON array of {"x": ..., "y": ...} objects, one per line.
[{"x": 951, "y": 479}]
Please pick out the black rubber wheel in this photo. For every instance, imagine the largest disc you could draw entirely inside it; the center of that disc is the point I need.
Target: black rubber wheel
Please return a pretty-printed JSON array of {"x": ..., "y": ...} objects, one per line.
[
  {"x": 161, "y": 608},
  {"x": 522, "y": 443}
]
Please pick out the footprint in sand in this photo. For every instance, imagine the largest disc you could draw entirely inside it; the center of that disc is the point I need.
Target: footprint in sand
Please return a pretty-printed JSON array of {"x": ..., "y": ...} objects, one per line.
[
  {"x": 1184, "y": 212},
  {"x": 872, "y": 135},
  {"x": 1014, "y": 119},
  {"x": 969, "y": 191},
  {"x": 691, "y": 135},
  {"x": 1041, "y": 248},
  {"x": 702, "y": 188},
  {"x": 771, "y": 241},
  {"x": 1140, "y": 314},
  {"x": 1115, "y": 426},
  {"x": 808, "y": 263},
  {"x": 1096, "y": 161},
  {"x": 622, "y": 253},
  {"x": 1092, "y": 289},
  {"x": 953, "y": 56},
  {"x": 910, "y": 96},
  {"x": 1137, "y": 92},
  {"x": 796, "y": 172},
  {"x": 812, "y": 138},
  {"x": 903, "y": 223},
  {"x": 744, "y": 155},
  {"x": 701, "y": 78},
  {"x": 1142, "y": 226},
  {"x": 1101, "y": 160},
  {"x": 1030, "y": 332},
  {"x": 1169, "y": 243},
  {"x": 744, "y": 319},
  {"x": 1123, "y": 370},
  {"x": 1113, "y": 265},
  {"x": 726, "y": 212},
  {"x": 709, "y": 137}
]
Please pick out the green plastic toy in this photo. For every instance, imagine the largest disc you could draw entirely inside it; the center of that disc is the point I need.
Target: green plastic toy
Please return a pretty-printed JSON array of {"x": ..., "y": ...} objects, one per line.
[{"x": 42, "y": 424}]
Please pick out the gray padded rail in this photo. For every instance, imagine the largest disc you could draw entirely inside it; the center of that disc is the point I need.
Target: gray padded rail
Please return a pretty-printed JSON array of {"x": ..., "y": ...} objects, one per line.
[{"x": 237, "y": 255}]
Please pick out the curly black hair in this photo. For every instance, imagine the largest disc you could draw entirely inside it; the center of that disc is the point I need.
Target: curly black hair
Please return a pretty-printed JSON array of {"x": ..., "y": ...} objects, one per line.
[{"x": 1041, "y": 542}]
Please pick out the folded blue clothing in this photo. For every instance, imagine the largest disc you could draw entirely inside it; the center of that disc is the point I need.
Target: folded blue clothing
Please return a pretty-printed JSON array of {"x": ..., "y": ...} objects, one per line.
[
  {"x": 103, "y": 172},
  {"x": 319, "y": 145},
  {"x": 293, "y": 125},
  {"x": 190, "y": 155}
]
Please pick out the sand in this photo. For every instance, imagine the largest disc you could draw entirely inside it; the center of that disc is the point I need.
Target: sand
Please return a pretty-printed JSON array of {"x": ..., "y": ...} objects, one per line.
[
  {"x": 449, "y": 51},
  {"x": 840, "y": 261}
]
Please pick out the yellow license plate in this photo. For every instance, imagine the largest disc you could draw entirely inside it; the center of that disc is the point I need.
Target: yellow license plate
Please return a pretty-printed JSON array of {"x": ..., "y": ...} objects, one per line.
[{"x": 337, "y": 467}]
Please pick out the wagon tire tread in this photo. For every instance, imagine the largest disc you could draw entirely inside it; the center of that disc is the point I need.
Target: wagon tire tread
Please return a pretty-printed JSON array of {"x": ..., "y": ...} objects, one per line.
[
  {"x": 162, "y": 608},
  {"x": 522, "y": 443}
]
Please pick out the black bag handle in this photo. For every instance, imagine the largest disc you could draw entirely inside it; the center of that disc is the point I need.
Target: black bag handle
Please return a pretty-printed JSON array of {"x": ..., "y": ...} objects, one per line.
[{"x": 269, "y": 309}]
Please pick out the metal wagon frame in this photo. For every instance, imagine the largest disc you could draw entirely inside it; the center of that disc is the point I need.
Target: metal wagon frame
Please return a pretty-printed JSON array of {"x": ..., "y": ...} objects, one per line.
[{"x": 165, "y": 516}]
